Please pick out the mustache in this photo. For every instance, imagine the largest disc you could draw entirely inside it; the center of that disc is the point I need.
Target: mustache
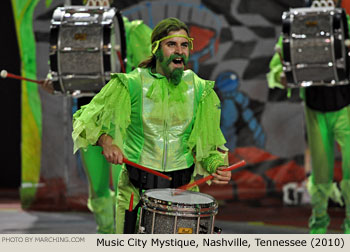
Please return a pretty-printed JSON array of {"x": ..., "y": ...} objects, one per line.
[{"x": 176, "y": 55}]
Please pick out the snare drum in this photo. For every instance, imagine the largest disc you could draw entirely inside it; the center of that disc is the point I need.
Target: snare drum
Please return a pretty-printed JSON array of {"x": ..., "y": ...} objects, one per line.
[
  {"x": 87, "y": 44},
  {"x": 313, "y": 46},
  {"x": 162, "y": 212}
]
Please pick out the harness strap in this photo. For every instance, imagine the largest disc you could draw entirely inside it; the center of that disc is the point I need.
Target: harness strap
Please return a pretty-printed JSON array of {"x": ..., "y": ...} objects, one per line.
[{"x": 144, "y": 180}]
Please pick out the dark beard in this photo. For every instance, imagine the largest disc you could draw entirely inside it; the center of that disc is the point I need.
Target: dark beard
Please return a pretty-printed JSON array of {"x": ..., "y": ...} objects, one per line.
[{"x": 176, "y": 76}]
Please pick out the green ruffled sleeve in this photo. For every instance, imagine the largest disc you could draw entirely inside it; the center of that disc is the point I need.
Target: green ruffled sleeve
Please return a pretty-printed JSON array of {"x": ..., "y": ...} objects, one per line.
[
  {"x": 108, "y": 112},
  {"x": 206, "y": 136},
  {"x": 273, "y": 77},
  {"x": 276, "y": 68}
]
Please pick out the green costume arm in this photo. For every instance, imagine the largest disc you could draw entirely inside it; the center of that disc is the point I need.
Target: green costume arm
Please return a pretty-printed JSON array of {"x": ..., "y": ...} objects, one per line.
[
  {"x": 276, "y": 68},
  {"x": 274, "y": 76},
  {"x": 206, "y": 136},
  {"x": 138, "y": 41},
  {"x": 110, "y": 107}
]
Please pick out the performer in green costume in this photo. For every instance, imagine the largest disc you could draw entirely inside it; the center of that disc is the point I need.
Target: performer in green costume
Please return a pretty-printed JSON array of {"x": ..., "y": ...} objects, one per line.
[
  {"x": 101, "y": 199},
  {"x": 158, "y": 116},
  {"x": 327, "y": 113}
]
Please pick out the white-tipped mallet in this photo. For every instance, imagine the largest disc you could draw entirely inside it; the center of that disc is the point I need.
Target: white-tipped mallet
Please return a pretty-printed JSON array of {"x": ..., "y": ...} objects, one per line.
[
  {"x": 278, "y": 50},
  {"x": 5, "y": 74},
  {"x": 347, "y": 42}
]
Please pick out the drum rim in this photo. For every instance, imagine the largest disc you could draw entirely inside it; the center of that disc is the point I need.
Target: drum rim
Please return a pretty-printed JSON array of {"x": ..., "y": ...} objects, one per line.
[
  {"x": 204, "y": 212},
  {"x": 178, "y": 208}
]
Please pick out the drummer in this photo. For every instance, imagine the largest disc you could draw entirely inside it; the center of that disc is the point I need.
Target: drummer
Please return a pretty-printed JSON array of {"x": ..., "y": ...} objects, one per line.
[
  {"x": 160, "y": 116},
  {"x": 101, "y": 197},
  {"x": 327, "y": 112}
]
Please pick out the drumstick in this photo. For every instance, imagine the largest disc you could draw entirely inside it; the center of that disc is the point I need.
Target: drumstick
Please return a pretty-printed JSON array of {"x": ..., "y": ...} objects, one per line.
[
  {"x": 146, "y": 169},
  {"x": 202, "y": 180},
  {"x": 121, "y": 61},
  {"x": 131, "y": 204},
  {"x": 5, "y": 74}
]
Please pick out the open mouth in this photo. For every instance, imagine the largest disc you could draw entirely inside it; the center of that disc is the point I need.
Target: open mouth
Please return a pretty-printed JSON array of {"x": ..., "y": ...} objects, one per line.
[{"x": 178, "y": 61}]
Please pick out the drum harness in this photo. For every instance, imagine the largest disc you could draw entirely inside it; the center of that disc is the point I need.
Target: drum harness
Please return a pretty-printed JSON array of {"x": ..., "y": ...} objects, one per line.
[{"x": 144, "y": 181}]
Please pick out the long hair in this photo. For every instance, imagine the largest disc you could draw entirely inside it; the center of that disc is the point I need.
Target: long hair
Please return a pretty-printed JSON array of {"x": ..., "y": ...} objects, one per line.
[{"x": 162, "y": 29}]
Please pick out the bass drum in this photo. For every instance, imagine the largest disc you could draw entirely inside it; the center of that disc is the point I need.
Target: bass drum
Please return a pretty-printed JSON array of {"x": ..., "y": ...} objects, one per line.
[
  {"x": 314, "y": 51},
  {"x": 87, "y": 44}
]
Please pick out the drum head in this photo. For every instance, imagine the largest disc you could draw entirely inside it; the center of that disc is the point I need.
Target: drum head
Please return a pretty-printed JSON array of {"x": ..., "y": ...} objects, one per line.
[{"x": 184, "y": 197}]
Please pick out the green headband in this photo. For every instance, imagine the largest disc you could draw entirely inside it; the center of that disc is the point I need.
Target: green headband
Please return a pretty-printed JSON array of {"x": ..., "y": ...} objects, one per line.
[{"x": 155, "y": 44}]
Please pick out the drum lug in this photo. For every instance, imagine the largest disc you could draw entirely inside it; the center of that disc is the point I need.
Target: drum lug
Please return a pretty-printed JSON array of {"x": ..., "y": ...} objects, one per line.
[
  {"x": 217, "y": 230},
  {"x": 142, "y": 230}
]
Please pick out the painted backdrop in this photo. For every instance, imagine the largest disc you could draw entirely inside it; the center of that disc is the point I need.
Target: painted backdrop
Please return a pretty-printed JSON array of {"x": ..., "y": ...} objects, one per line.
[{"x": 233, "y": 43}]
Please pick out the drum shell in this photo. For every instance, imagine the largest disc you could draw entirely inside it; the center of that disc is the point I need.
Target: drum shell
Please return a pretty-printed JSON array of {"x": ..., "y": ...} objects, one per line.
[
  {"x": 314, "y": 52},
  {"x": 83, "y": 45},
  {"x": 168, "y": 217}
]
